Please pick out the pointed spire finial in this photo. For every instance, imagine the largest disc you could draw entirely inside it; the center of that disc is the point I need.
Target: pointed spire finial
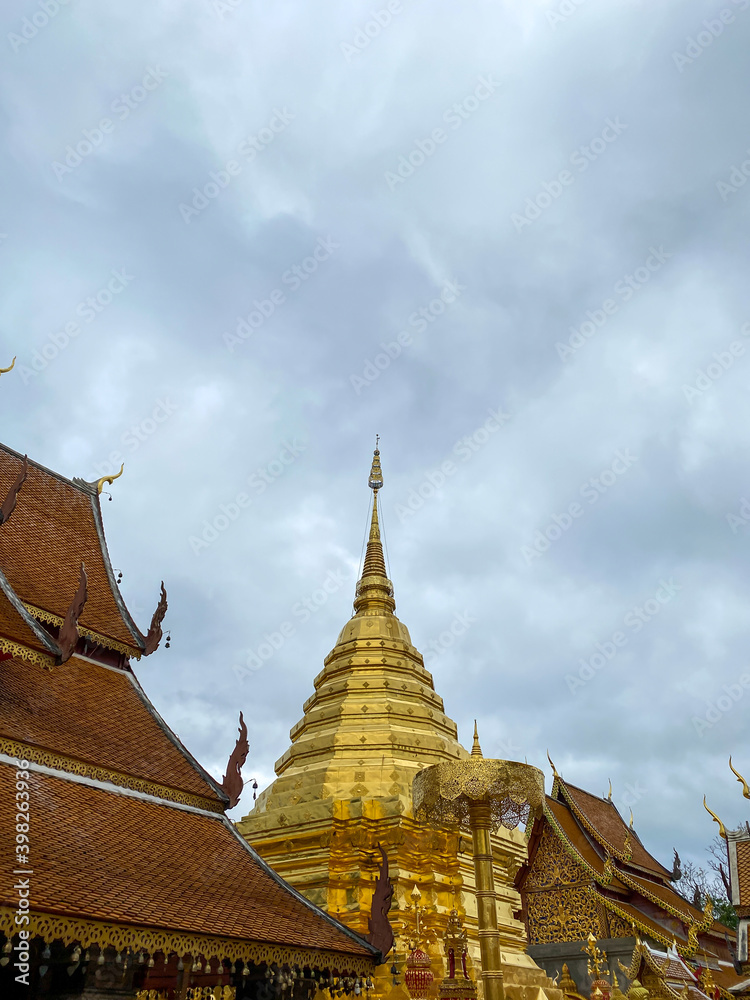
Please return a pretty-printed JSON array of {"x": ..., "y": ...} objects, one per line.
[
  {"x": 3, "y": 371},
  {"x": 476, "y": 750},
  {"x": 374, "y": 590},
  {"x": 609, "y": 794},
  {"x": 552, "y": 765}
]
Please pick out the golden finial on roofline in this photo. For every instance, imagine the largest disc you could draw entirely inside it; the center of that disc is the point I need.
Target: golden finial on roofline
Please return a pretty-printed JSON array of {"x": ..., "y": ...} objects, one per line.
[
  {"x": 745, "y": 789},
  {"x": 722, "y": 828},
  {"x": 609, "y": 794},
  {"x": 9, "y": 368},
  {"x": 108, "y": 479},
  {"x": 554, "y": 769},
  {"x": 476, "y": 750}
]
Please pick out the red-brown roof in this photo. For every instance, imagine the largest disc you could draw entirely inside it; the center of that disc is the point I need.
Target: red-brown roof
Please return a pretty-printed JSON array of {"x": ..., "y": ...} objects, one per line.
[
  {"x": 608, "y": 827},
  {"x": 55, "y": 526},
  {"x": 98, "y": 715},
  {"x": 569, "y": 826},
  {"x": 112, "y": 857},
  {"x": 17, "y": 625}
]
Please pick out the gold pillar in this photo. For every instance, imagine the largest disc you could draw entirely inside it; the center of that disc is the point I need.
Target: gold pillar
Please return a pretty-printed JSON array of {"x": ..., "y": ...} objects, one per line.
[{"x": 480, "y": 819}]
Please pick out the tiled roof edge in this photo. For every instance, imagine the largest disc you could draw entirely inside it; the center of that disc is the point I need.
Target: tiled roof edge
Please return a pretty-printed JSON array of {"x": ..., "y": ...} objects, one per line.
[
  {"x": 175, "y": 739},
  {"x": 365, "y": 945},
  {"x": 140, "y": 641},
  {"x": 78, "y": 484},
  {"x": 41, "y": 633}
]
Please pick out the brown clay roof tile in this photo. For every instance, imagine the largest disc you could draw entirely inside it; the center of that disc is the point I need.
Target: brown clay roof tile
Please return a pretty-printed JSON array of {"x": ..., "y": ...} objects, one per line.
[
  {"x": 51, "y": 531},
  {"x": 97, "y": 715},
  {"x": 117, "y": 858}
]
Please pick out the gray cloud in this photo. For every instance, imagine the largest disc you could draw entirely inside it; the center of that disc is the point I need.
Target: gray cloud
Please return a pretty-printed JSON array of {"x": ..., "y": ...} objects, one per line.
[{"x": 230, "y": 413}]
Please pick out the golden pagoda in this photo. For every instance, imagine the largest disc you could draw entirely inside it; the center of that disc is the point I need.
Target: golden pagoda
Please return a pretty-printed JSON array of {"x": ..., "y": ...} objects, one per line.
[{"x": 344, "y": 789}]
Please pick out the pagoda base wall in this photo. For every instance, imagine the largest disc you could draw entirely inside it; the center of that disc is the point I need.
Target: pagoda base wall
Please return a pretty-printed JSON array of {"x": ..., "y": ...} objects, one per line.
[{"x": 333, "y": 859}]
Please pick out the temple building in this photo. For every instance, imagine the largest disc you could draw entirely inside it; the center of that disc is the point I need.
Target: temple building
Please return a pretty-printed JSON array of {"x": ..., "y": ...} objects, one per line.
[
  {"x": 121, "y": 874},
  {"x": 589, "y": 874},
  {"x": 344, "y": 789}
]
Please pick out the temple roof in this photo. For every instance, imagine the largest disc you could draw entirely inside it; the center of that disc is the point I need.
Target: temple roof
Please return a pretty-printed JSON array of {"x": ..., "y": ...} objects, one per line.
[
  {"x": 57, "y": 525},
  {"x": 117, "y": 857},
  {"x": 98, "y": 718},
  {"x": 635, "y": 887},
  {"x": 128, "y": 830},
  {"x": 602, "y": 820}
]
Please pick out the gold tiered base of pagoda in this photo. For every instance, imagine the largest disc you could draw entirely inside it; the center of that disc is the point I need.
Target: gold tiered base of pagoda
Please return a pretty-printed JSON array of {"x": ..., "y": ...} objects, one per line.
[{"x": 333, "y": 859}]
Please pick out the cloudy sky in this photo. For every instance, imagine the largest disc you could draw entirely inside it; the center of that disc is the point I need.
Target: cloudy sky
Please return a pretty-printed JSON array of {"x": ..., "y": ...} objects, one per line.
[{"x": 239, "y": 239}]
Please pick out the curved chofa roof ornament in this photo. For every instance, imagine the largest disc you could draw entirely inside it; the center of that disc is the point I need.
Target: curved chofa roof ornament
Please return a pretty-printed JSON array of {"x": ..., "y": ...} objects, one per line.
[
  {"x": 745, "y": 789},
  {"x": 153, "y": 637},
  {"x": 68, "y": 637},
  {"x": 380, "y": 930},
  {"x": 232, "y": 780},
  {"x": 712, "y": 814},
  {"x": 108, "y": 479},
  {"x": 3, "y": 371}
]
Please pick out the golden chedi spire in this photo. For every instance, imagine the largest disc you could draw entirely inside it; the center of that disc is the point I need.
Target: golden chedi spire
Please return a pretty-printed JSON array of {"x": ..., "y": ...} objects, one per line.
[
  {"x": 374, "y": 590},
  {"x": 343, "y": 787},
  {"x": 374, "y": 718}
]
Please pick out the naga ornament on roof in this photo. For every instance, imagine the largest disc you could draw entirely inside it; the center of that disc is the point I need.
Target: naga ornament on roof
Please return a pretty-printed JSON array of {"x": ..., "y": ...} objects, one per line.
[
  {"x": 10, "y": 501},
  {"x": 153, "y": 637},
  {"x": 381, "y": 932},
  {"x": 232, "y": 780},
  {"x": 68, "y": 636},
  {"x": 3, "y": 371}
]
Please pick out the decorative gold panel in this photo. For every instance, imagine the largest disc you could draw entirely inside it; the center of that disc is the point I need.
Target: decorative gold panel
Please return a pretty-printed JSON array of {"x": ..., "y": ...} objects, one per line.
[{"x": 567, "y": 914}]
